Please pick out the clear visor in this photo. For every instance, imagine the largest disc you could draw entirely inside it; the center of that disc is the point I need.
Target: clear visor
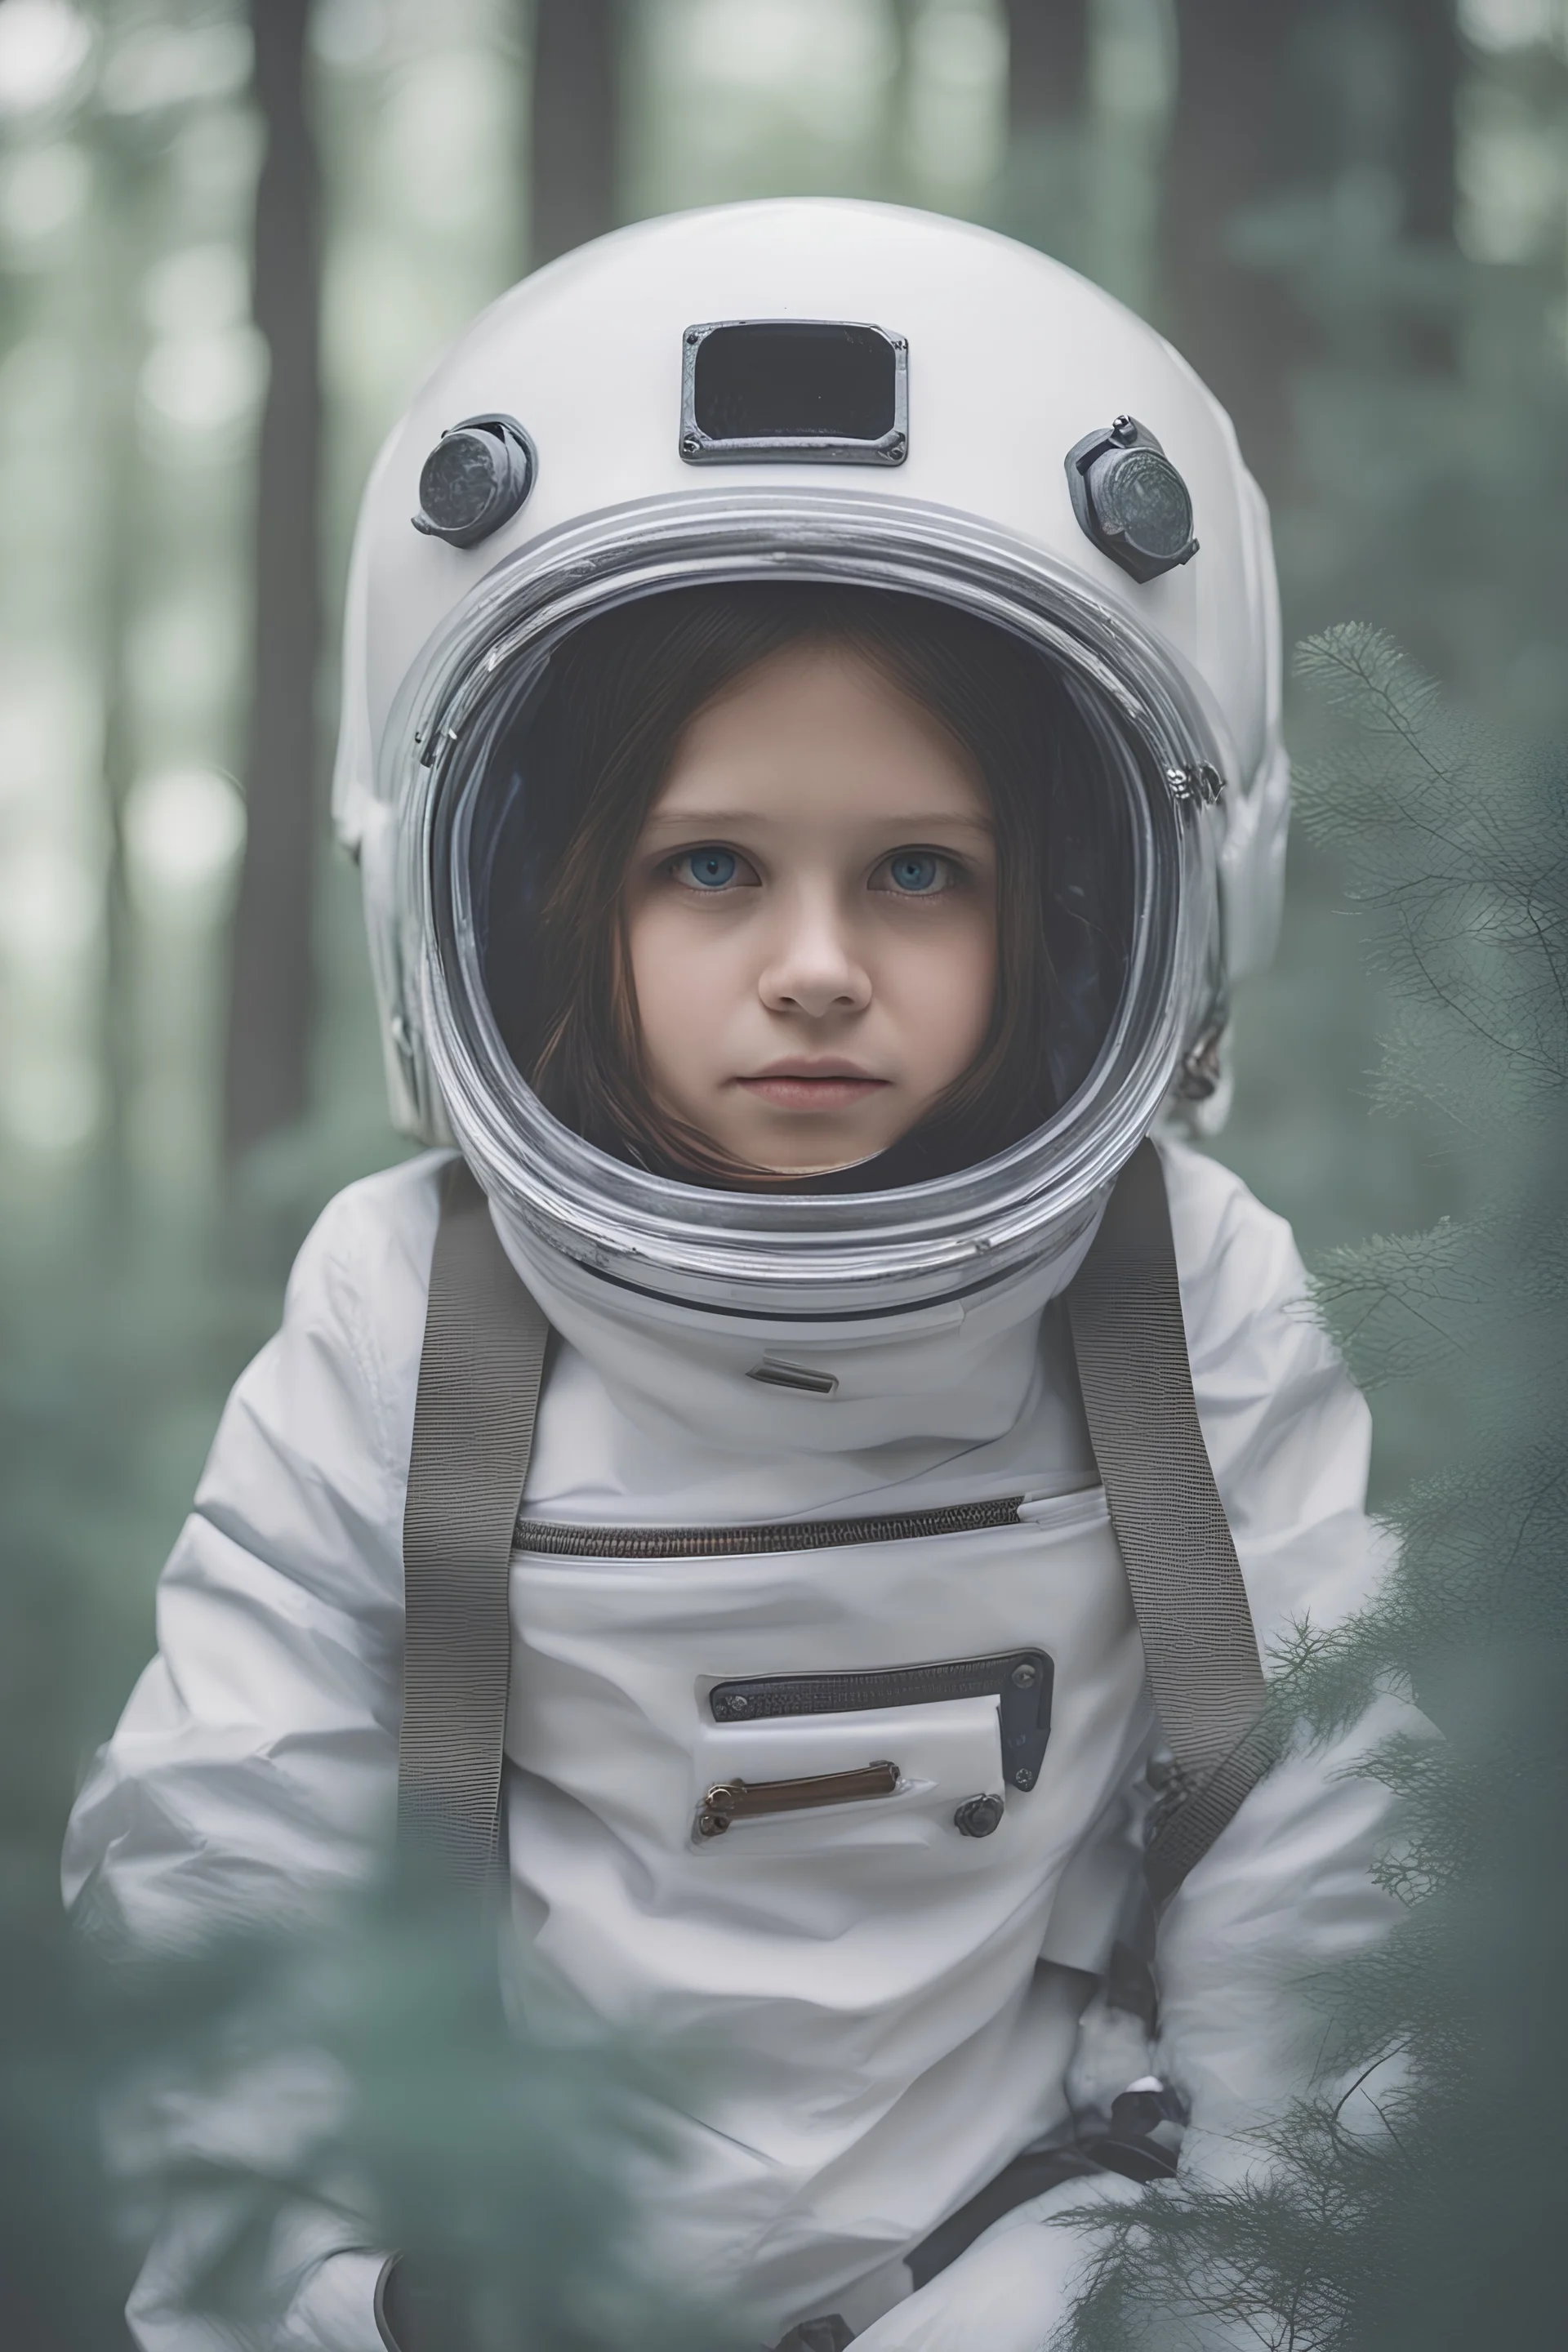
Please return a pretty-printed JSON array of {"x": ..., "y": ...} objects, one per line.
[{"x": 1127, "y": 910}]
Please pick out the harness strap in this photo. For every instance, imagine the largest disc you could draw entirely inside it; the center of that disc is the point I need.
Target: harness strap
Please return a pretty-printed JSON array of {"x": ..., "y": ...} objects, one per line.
[
  {"x": 1125, "y": 1309},
  {"x": 479, "y": 1378}
]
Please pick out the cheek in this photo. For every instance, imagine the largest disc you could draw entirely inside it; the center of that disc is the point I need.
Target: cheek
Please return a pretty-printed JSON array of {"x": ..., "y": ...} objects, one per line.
[
  {"x": 681, "y": 986},
  {"x": 946, "y": 986}
]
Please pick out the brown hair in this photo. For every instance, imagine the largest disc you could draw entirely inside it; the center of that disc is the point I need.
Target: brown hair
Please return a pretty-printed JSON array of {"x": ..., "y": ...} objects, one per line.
[{"x": 588, "y": 763}]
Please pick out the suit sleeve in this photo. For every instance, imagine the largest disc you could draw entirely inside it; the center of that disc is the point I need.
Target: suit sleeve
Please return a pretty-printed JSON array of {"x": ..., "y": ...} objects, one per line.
[
  {"x": 253, "y": 1774},
  {"x": 1288, "y": 1888}
]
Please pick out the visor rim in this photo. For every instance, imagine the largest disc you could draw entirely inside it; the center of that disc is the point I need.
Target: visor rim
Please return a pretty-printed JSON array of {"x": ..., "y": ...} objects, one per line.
[{"x": 814, "y": 1255}]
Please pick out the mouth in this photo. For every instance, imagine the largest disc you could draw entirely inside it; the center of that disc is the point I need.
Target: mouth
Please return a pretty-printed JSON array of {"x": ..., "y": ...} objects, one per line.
[{"x": 813, "y": 1085}]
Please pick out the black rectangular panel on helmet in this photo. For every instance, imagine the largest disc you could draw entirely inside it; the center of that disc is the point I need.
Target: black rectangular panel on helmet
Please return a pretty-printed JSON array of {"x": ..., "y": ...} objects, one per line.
[{"x": 815, "y": 390}]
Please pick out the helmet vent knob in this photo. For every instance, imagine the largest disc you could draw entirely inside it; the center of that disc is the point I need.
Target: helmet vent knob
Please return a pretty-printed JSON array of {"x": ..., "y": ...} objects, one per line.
[
  {"x": 1130, "y": 500},
  {"x": 477, "y": 477}
]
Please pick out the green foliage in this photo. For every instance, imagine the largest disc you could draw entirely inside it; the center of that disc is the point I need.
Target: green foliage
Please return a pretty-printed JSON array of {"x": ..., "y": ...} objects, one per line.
[
  {"x": 66, "y": 2276},
  {"x": 1428, "y": 464},
  {"x": 497, "y": 2157},
  {"x": 375, "y": 2067},
  {"x": 1415, "y": 2199},
  {"x": 495, "y": 2150}
]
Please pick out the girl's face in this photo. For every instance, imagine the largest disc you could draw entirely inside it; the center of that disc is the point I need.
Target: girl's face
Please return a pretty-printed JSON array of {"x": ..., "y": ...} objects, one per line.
[{"x": 811, "y": 917}]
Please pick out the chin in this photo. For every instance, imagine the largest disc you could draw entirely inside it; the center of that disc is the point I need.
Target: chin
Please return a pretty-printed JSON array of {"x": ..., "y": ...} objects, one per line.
[{"x": 822, "y": 1155}]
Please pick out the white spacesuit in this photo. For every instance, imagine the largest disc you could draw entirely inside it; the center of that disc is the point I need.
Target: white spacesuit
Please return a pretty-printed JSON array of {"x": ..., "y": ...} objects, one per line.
[{"x": 901, "y": 1990}]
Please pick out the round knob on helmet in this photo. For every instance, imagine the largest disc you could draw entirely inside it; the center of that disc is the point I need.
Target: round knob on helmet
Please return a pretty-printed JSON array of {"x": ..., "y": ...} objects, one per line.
[
  {"x": 1130, "y": 500},
  {"x": 476, "y": 477}
]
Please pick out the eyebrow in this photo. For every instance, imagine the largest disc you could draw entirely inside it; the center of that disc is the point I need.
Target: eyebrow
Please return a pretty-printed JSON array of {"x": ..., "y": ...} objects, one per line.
[{"x": 736, "y": 820}]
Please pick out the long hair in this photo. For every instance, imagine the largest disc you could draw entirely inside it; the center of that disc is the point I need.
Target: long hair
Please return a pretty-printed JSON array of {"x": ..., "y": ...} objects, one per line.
[{"x": 589, "y": 762}]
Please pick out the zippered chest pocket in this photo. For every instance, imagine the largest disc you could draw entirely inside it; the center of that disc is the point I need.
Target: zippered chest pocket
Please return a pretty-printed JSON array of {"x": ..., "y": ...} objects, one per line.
[{"x": 950, "y": 1739}]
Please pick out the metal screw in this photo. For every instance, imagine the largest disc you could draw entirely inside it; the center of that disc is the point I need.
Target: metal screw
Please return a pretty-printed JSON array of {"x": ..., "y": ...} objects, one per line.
[
  {"x": 692, "y": 446},
  {"x": 694, "y": 334},
  {"x": 1201, "y": 1071},
  {"x": 1200, "y": 783},
  {"x": 1022, "y": 1778},
  {"x": 896, "y": 445},
  {"x": 1025, "y": 1675},
  {"x": 978, "y": 1816},
  {"x": 1123, "y": 429}
]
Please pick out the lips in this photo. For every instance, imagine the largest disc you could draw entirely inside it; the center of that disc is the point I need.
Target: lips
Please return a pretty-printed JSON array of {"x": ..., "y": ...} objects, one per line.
[{"x": 813, "y": 1085}]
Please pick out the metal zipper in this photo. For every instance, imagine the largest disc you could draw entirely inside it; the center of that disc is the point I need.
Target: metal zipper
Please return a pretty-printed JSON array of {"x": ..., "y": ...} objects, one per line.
[
  {"x": 749, "y": 1801},
  {"x": 1021, "y": 1680},
  {"x": 553, "y": 1541}
]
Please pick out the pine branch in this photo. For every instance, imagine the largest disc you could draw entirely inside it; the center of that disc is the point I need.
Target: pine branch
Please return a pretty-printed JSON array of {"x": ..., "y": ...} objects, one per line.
[{"x": 1415, "y": 2207}]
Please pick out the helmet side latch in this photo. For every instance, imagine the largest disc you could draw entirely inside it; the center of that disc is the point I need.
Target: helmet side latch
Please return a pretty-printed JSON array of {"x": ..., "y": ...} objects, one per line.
[
  {"x": 478, "y": 476},
  {"x": 1130, "y": 500}
]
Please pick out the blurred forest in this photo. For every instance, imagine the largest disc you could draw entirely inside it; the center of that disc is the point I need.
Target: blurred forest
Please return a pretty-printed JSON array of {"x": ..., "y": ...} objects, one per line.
[{"x": 230, "y": 242}]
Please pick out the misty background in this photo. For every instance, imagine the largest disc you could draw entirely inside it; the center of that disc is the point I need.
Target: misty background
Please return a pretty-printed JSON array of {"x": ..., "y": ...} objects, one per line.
[{"x": 232, "y": 240}]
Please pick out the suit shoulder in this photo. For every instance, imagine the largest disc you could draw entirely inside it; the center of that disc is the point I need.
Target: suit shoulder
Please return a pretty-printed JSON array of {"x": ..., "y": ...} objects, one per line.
[
  {"x": 1238, "y": 1259},
  {"x": 379, "y": 1226}
]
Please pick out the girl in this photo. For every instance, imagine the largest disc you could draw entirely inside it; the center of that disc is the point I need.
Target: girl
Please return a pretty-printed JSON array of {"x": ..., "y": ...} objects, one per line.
[{"x": 798, "y": 903}]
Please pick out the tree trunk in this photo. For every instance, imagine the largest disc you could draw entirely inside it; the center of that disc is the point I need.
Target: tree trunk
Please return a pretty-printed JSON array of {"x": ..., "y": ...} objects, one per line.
[
  {"x": 271, "y": 984},
  {"x": 1235, "y": 144},
  {"x": 1047, "y": 64},
  {"x": 1043, "y": 196},
  {"x": 576, "y": 123},
  {"x": 1426, "y": 51},
  {"x": 120, "y": 248},
  {"x": 1281, "y": 97},
  {"x": 1430, "y": 38},
  {"x": 899, "y": 178}
]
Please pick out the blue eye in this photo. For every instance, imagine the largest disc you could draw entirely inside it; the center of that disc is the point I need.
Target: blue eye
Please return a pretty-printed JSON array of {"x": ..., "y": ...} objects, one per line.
[
  {"x": 915, "y": 870},
  {"x": 710, "y": 869}
]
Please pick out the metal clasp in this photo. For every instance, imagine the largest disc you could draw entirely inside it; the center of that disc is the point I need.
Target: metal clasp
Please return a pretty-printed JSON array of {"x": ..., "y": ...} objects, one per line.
[
  {"x": 1200, "y": 782},
  {"x": 771, "y": 1373},
  {"x": 1201, "y": 1069},
  {"x": 749, "y": 1801}
]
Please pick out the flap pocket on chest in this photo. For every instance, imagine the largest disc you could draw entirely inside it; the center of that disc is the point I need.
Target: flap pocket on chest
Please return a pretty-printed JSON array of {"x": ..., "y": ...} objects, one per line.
[{"x": 946, "y": 1738}]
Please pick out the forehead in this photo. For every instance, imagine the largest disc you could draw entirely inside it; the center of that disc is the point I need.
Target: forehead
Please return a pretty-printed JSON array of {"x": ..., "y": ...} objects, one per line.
[{"x": 817, "y": 728}]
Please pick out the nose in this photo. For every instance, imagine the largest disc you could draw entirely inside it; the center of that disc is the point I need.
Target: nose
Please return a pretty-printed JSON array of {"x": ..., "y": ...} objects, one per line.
[{"x": 813, "y": 968}]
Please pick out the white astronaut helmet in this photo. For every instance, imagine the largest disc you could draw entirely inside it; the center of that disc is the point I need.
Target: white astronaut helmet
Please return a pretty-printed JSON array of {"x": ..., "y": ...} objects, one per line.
[{"x": 830, "y": 392}]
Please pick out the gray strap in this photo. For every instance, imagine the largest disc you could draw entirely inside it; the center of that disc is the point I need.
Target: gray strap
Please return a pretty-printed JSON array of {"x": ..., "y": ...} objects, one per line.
[
  {"x": 480, "y": 1379},
  {"x": 1125, "y": 1309}
]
